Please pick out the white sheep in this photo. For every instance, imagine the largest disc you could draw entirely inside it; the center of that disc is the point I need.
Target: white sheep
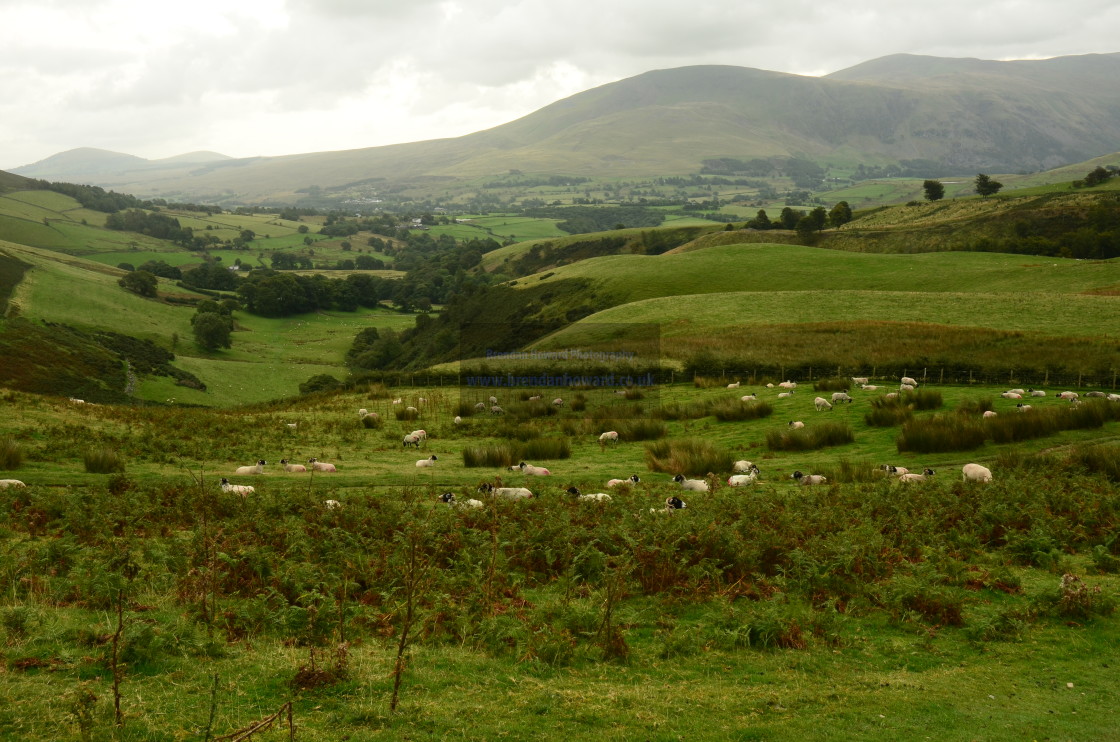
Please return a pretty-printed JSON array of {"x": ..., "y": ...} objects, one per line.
[
  {"x": 742, "y": 480},
  {"x": 13, "y": 483},
  {"x": 860, "y": 380},
  {"x": 449, "y": 498},
  {"x": 671, "y": 504},
  {"x": 558, "y": 402},
  {"x": 1095, "y": 394},
  {"x": 692, "y": 485},
  {"x": 480, "y": 406},
  {"x": 292, "y": 468},
  {"x": 1011, "y": 395},
  {"x": 421, "y": 434},
  {"x": 1020, "y": 392},
  {"x": 788, "y": 384},
  {"x": 894, "y": 471},
  {"x": 870, "y": 387},
  {"x": 841, "y": 397},
  {"x": 733, "y": 385},
  {"x": 257, "y": 468},
  {"x": 496, "y": 410},
  {"x": 611, "y": 436},
  {"x": 508, "y": 493},
  {"x": 822, "y": 404},
  {"x": 976, "y": 473},
  {"x": 362, "y": 413},
  {"x": 412, "y": 410},
  {"x": 809, "y": 479},
  {"x": 237, "y": 489},
  {"x": 398, "y": 400},
  {"x": 907, "y": 380},
  {"x": 1113, "y": 397},
  {"x": 770, "y": 385},
  {"x": 1036, "y": 393},
  {"x": 411, "y": 439},
  {"x": 905, "y": 387},
  {"x": 911, "y": 477},
  {"x": 323, "y": 466},
  {"x": 537, "y": 397},
  {"x": 75, "y": 400},
  {"x": 743, "y": 467},
  {"x": 891, "y": 395},
  {"x": 291, "y": 426},
  {"x": 785, "y": 395},
  {"x": 493, "y": 400},
  {"x": 749, "y": 398},
  {"x": 590, "y": 497},
  {"x": 430, "y": 461},
  {"x": 1066, "y": 395},
  {"x": 796, "y": 424},
  {"x": 989, "y": 413},
  {"x": 536, "y": 471},
  {"x": 332, "y": 504},
  {"x": 632, "y": 479},
  {"x": 458, "y": 420},
  {"x": 1023, "y": 407}
]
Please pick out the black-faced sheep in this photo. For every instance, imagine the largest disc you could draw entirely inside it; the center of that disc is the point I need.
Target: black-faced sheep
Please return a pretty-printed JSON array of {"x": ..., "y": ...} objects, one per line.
[
  {"x": 257, "y": 468},
  {"x": 292, "y": 468},
  {"x": 632, "y": 479},
  {"x": 590, "y": 497},
  {"x": 323, "y": 466},
  {"x": 692, "y": 485},
  {"x": 809, "y": 479},
  {"x": 430, "y": 461},
  {"x": 237, "y": 489}
]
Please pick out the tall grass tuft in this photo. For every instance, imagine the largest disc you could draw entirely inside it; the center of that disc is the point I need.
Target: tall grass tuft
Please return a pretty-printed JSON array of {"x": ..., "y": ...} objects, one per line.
[
  {"x": 847, "y": 470},
  {"x": 103, "y": 461},
  {"x": 407, "y": 413},
  {"x": 507, "y": 454},
  {"x": 808, "y": 439},
  {"x": 922, "y": 399},
  {"x": 546, "y": 448},
  {"x": 11, "y": 454},
  {"x": 492, "y": 456},
  {"x": 641, "y": 430},
  {"x": 832, "y": 385},
  {"x": 727, "y": 410},
  {"x": 887, "y": 415},
  {"x": 684, "y": 410},
  {"x": 941, "y": 434},
  {"x": 1101, "y": 459},
  {"x": 975, "y": 407},
  {"x": 688, "y": 456}
]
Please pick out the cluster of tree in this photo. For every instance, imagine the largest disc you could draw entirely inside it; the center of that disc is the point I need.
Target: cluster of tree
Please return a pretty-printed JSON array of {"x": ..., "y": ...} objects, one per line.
[
  {"x": 1096, "y": 177},
  {"x": 272, "y": 294},
  {"x": 212, "y": 323},
  {"x": 919, "y": 168},
  {"x": 94, "y": 197},
  {"x": 149, "y": 223},
  {"x": 141, "y": 283},
  {"x": 582, "y": 219},
  {"x": 210, "y": 275},
  {"x": 552, "y": 181}
]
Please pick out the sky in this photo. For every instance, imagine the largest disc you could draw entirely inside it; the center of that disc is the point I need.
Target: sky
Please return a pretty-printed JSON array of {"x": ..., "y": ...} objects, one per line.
[{"x": 268, "y": 77}]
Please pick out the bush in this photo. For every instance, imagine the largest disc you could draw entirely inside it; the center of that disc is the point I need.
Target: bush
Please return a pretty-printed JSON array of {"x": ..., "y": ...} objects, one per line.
[
  {"x": 11, "y": 454},
  {"x": 688, "y": 456},
  {"x": 1076, "y": 600},
  {"x": 103, "y": 461},
  {"x": 501, "y": 455},
  {"x": 546, "y": 448},
  {"x": 887, "y": 416},
  {"x": 808, "y": 439},
  {"x": 406, "y": 413},
  {"x": 641, "y": 430},
  {"x": 832, "y": 385},
  {"x": 922, "y": 399},
  {"x": 1102, "y": 459},
  {"x": 728, "y": 410},
  {"x": 319, "y": 383},
  {"x": 373, "y": 422},
  {"x": 941, "y": 434}
]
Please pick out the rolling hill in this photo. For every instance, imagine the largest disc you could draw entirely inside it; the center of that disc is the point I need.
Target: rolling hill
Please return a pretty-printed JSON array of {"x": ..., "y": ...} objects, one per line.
[{"x": 966, "y": 115}]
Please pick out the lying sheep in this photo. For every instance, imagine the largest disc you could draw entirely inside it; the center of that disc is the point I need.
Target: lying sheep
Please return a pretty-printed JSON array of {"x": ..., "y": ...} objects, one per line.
[
  {"x": 894, "y": 471},
  {"x": 291, "y": 426},
  {"x": 869, "y": 387},
  {"x": 1066, "y": 395},
  {"x": 1011, "y": 395},
  {"x": 671, "y": 504},
  {"x": 976, "y": 473},
  {"x": 749, "y": 398},
  {"x": 796, "y": 424},
  {"x": 788, "y": 384},
  {"x": 257, "y": 468},
  {"x": 632, "y": 479},
  {"x": 910, "y": 477},
  {"x": 558, "y": 402},
  {"x": 591, "y": 497},
  {"x": 907, "y": 380},
  {"x": 841, "y": 397},
  {"x": 13, "y": 483},
  {"x": 430, "y": 461},
  {"x": 742, "y": 480},
  {"x": 822, "y": 404},
  {"x": 1095, "y": 394},
  {"x": 1036, "y": 393},
  {"x": 1023, "y": 407},
  {"x": 292, "y": 468},
  {"x": 449, "y": 498},
  {"x": 508, "y": 493},
  {"x": 860, "y": 380},
  {"x": 237, "y": 489},
  {"x": 536, "y": 471},
  {"x": 809, "y": 479},
  {"x": 332, "y": 504},
  {"x": 989, "y": 413},
  {"x": 743, "y": 467},
  {"x": 785, "y": 395},
  {"x": 692, "y": 485},
  {"x": 1113, "y": 397},
  {"x": 733, "y": 385},
  {"x": 323, "y": 466},
  {"x": 905, "y": 387}
]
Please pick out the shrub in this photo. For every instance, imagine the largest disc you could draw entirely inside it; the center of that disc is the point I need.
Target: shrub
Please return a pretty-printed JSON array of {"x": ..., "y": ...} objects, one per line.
[
  {"x": 406, "y": 413},
  {"x": 688, "y": 456},
  {"x": 103, "y": 461},
  {"x": 922, "y": 399},
  {"x": 832, "y": 385},
  {"x": 508, "y": 454},
  {"x": 11, "y": 454},
  {"x": 727, "y": 410},
  {"x": 887, "y": 416},
  {"x": 373, "y": 422},
  {"x": 808, "y": 439},
  {"x": 641, "y": 430},
  {"x": 1102, "y": 459},
  {"x": 853, "y": 471},
  {"x": 546, "y": 448},
  {"x": 1076, "y": 600},
  {"x": 975, "y": 407},
  {"x": 684, "y": 410},
  {"x": 496, "y": 455},
  {"x": 941, "y": 434}
]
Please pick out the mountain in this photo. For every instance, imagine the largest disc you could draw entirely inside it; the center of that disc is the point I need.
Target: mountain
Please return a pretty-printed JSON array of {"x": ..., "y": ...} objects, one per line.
[
  {"x": 104, "y": 167},
  {"x": 968, "y": 115}
]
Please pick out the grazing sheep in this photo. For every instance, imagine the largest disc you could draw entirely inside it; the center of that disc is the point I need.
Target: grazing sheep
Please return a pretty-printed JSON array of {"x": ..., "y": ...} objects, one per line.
[
  {"x": 671, "y": 504},
  {"x": 292, "y": 468},
  {"x": 480, "y": 406},
  {"x": 558, "y": 402},
  {"x": 1066, "y": 395},
  {"x": 788, "y": 385},
  {"x": 841, "y": 397},
  {"x": 317, "y": 465},
  {"x": 458, "y": 420},
  {"x": 496, "y": 410},
  {"x": 976, "y": 473},
  {"x": 632, "y": 479},
  {"x": 13, "y": 483},
  {"x": 733, "y": 385},
  {"x": 411, "y": 439},
  {"x": 237, "y": 489},
  {"x": 421, "y": 434},
  {"x": 1023, "y": 407},
  {"x": 493, "y": 400},
  {"x": 412, "y": 410},
  {"x": 749, "y": 398},
  {"x": 1011, "y": 395},
  {"x": 907, "y": 380},
  {"x": 257, "y": 468},
  {"x": 785, "y": 395},
  {"x": 742, "y": 480},
  {"x": 822, "y": 404},
  {"x": 692, "y": 485},
  {"x": 508, "y": 493},
  {"x": 449, "y": 498},
  {"x": 743, "y": 467},
  {"x": 332, "y": 504},
  {"x": 809, "y": 479},
  {"x": 989, "y": 413},
  {"x": 611, "y": 436},
  {"x": 430, "y": 461},
  {"x": 796, "y": 424},
  {"x": 363, "y": 412},
  {"x": 536, "y": 471},
  {"x": 594, "y": 496},
  {"x": 909, "y": 477},
  {"x": 860, "y": 380},
  {"x": 1036, "y": 393}
]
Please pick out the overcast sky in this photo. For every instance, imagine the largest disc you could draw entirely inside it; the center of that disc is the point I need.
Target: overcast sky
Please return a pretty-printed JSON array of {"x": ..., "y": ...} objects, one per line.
[{"x": 268, "y": 77}]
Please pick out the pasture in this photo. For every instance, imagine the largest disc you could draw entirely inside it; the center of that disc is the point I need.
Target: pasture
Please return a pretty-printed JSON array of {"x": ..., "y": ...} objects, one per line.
[{"x": 872, "y": 609}]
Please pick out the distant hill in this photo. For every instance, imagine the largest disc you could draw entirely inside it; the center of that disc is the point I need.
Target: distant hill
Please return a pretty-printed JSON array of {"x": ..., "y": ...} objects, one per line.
[
  {"x": 967, "y": 115},
  {"x": 103, "y": 167}
]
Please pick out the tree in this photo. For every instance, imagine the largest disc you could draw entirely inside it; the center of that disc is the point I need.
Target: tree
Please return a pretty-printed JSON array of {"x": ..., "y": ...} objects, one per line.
[
  {"x": 1097, "y": 176},
  {"x": 985, "y": 186},
  {"x": 806, "y": 226},
  {"x": 212, "y": 330},
  {"x": 761, "y": 220},
  {"x": 140, "y": 282},
  {"x": 840, "y": 214},
  {"x": 935, "y": 191},
  {"x": 789, "y": 218}
]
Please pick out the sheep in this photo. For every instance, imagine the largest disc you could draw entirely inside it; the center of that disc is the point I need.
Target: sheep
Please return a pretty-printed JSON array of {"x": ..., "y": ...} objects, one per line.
[
  {"x": 989, "y": 413},
  {"x": 733, "y": 385},
  {"x": 411, "y": 439},
  {"x": 421, "y": 400},
  {"x": 592, "y": 497},
  {"x": 671, "y": 504},
  {"x": 788, "y": 385},
  {"x": 317, "y": 465},
  {"x": 558, "y": 402},
  {"x": 257, "y": 468},
  {"x": 749, "y": 398},
  {"x": 907, "y": 380},
  {"x": 1094, "y": 394},
  {"x": 796, "y": 424},
  {"x": 237, "y": 489},
  {"x": 449, "y": 498},
  {"x": 809, "y": 479},
  {"x": 536, "y": 471},
  {"x": 906, "y": 387},
  {"x": 398, "y": 400},
  {"x": 412, "y": 410},
  {"x": 785, "y": 395},
  {"x": 870, "y": 387},
  {"x": 1023, "y": 407},
  {"x": 537, "y": 397},
  {"x": 480, "y": 406},
  {"x": 75, "y": 400},
  {"x": 822, "y": 404},
  {"x": 743, "y": 467},
  {"x": 841, "y": 397},
  {"x": 291, "y": 426},
  {"x": 362, "y": 413},
  {"x": 611, "y": 436},
  {"x": 860, "y": 380},
  {"x": 1066, "y": 395},
  {"x": 1113, "y": 397},
  {"x": 292, "y": 468},
  {"x": 891, "y": 395},
  {"x": 976, "y": 473},
  {"x": 632, "y": 479},
  {"x": 332, "y": 504},
  {"x": 13, "y": 483},
  {"x": 508, "y": 493},
  {"x": 692, "y": 485},
  {"x": 496, "y": 410},
  {"x": 493, "y": 400},
  {"x": 894, "y": 471},
  {"x": 1011, "y": 395},
  {"x": 742, "y": 480},
  {"x": 910, "y": 477},
  {"x": 430, "y": 461},
  {"x": 457, "y": 421},
  {"x": 421, "y": 434},
  {"x": 770, "y": 385},
  {"x": 1036, "y": 393}
]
